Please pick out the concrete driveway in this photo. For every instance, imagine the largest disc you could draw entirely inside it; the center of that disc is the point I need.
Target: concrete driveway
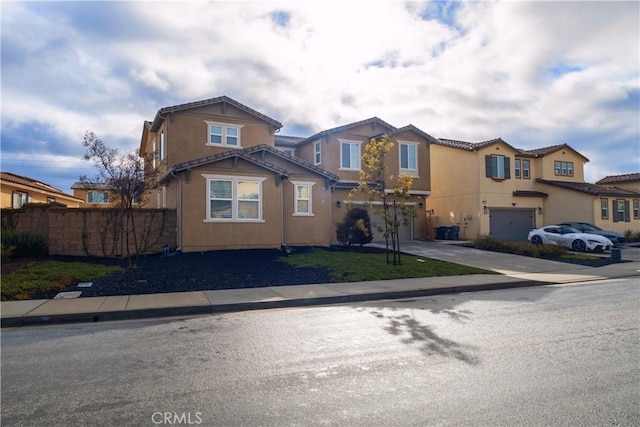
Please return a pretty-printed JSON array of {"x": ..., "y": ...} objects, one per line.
[{"x": 521, "y": 267}]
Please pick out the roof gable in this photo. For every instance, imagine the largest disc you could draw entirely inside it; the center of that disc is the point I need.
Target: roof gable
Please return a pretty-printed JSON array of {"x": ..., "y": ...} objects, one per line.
[
  {"x": 373, "y": 121},
  {"x": 211, "y": 101},
  {"x": 414, "y": 129},
  {"x": 251, "y": 155},
  {"x": 541, "y": 152}
]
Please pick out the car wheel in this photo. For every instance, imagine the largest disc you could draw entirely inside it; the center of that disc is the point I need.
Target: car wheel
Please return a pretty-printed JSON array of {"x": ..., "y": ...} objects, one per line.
[
  {"x": 536, "y": 240},
  {"x": 579, "y": 246}
]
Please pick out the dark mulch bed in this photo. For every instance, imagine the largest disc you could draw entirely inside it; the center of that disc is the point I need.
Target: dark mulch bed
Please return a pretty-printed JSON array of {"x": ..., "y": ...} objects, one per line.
[{"x": 180, "y": 272}]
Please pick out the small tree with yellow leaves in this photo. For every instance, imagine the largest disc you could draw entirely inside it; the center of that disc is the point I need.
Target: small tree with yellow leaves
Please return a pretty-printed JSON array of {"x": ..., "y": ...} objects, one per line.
[{"x": 372, "y": 185}]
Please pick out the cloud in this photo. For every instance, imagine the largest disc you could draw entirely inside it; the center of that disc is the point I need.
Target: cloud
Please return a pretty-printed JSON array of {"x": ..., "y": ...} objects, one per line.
[{"x": 534, "y": 73}]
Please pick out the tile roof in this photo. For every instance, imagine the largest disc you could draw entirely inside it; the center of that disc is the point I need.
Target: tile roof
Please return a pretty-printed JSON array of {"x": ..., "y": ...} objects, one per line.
[
  {"x": 346, "y": 127},
  {"x": 180, "y": 107},
  {"x": 33, "y": 183},
  {"x": 248, "y": 154},
  {"x": 475, "y": 146},
  {"x": 619, "y": 179},
  {"x": 288, "y": 141},
  {"x": 413, "y": 128},
  {"x": 529, "y": 193},
  {"x": 593, "y": 189}
]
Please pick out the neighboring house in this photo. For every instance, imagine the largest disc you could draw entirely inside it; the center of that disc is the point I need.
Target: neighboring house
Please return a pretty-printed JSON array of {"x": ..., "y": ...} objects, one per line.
[
  {"x": 628, "y": 181},
  {"x": 97, "y": 194},
  {"x": 491, "y": 188},
  {"x": 19, "y": 190},
  {"x": 234, "y": 184}
]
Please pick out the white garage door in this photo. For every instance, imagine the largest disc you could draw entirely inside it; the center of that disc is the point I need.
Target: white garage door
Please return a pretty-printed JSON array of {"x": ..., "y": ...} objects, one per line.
[
  {"x": 511, "y": 224},
  {"x": 405, "y": 231}
]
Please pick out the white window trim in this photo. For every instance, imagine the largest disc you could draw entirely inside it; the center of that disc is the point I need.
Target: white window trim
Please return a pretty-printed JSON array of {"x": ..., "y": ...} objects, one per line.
[
  {"x": 407, "y": 171},
  {"x": 317, "y": 153},
  {"x": 309, "y": 184},
  {"x": 234, "y": 198},
  {"x": 153, "y": 153},
  {"x": 224, "y": 127},
  {"x": 162, "y": 146},
  {"x": 98, "y": 191},
  {"x": 347, "y": 141}
]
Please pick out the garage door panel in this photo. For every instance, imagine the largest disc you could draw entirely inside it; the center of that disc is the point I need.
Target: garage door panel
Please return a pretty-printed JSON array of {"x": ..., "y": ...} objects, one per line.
[
  {"x": 377, "y": 220},
  {"x": 511, "y": 224}
]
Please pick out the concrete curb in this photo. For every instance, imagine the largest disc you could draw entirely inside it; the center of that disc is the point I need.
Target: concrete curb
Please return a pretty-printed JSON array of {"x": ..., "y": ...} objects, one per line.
[{"x": 91, "y": 317}]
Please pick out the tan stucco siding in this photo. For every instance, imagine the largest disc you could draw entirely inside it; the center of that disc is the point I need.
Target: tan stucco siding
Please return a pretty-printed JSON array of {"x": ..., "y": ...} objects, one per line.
[
  {"x": 187, "y": 132},
  {"x": 563, "y": 155},
  {"x": 200, "y": 234},
  {"x": 307, "y": 230}
]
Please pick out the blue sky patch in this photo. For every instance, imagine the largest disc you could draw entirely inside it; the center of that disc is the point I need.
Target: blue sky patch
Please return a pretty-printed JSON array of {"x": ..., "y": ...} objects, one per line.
[{"x": 281, "y": 18}]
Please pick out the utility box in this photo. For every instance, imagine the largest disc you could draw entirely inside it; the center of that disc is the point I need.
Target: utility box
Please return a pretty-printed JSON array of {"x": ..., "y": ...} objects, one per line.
[{"x": 616, "y": 254}]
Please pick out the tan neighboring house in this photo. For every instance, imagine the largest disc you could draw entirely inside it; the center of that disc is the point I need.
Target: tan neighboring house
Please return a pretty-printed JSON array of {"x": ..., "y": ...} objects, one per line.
[
  {"x": 19, "y": 190},
  {"x": 235, "y": 185},
  {"x": 94, "y": 195},
  {"x": 627, "y": 181},
  {"x": 491, "y": 188}
]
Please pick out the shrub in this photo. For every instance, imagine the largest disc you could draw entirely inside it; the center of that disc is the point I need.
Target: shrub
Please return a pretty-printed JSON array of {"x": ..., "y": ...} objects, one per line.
[
  {"x": 520, "y": 248},
  {"x": 6, "y": 252},
  {"x": 632, "y": 236},
  {"x": 23, "y": 243},
  {"x": 355, "y": 228}
]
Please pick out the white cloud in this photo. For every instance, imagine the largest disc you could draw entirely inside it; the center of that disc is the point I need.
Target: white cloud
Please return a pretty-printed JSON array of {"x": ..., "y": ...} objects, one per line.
[{"x": 534, "y": 73}]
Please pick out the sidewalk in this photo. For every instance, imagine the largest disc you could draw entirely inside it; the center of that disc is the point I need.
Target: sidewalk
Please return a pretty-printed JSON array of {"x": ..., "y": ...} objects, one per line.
[{"x": 514, "y": 271}]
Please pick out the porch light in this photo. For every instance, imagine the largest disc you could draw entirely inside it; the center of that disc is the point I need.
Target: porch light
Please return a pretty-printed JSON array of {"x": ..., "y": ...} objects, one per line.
[
  {"x": 339, "y": 203},
  {"x": 539, "y": 209}
]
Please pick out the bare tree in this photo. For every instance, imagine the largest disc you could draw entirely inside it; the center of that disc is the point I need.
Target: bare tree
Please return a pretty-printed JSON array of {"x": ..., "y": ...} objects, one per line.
[{"x": 123, "y": 175}]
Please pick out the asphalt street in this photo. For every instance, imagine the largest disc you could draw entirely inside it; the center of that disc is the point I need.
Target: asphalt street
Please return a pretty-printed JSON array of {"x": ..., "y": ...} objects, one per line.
[{"x": 549, "y": 355}]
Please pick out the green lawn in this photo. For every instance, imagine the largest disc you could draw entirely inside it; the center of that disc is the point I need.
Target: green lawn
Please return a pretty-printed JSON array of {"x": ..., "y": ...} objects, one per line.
[
  {"x": 49, "y": 276},
  {"x": 359, "y": 267}
]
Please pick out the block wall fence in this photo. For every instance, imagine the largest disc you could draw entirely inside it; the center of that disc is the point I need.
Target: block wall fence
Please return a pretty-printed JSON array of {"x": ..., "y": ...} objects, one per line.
[{"x": 99, "y": 232}]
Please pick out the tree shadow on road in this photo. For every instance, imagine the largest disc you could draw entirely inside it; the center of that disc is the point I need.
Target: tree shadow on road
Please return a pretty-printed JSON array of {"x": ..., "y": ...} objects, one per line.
[{"x": 412, "y": 331}]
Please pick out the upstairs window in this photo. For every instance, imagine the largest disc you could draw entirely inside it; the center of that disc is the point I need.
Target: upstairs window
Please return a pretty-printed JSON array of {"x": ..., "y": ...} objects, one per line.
[
  {"x": 522, "y": 169},
  {"x": 636, "y": 208},
  {"x": 526, "y": 169},
  {"x": 19, "y": 199},
  {"x": 317, "y": 153},
  {"x": 97, "y": 197},
  {"x": 221, "y": 134},
  {"x": 408, "y": 158},
  {"x": 563, "y": 168},
  {"x": 497, "y": 167},
  {"x": 162, "y": 146},
  {"x": 349, "y": 155}
]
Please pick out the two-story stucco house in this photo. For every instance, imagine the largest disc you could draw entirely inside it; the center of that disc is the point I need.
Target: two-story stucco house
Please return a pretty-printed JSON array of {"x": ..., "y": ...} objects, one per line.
[
  {"x": 235, "y": 184},
  {"x": 338, "y": 150},
  {"x": 491, "y": 188}
]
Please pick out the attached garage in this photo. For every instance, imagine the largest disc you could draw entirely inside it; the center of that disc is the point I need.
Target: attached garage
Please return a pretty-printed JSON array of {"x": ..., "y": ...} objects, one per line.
[
  {"x": 511, "y": 224},
  {"x": 405, "y": 232}
]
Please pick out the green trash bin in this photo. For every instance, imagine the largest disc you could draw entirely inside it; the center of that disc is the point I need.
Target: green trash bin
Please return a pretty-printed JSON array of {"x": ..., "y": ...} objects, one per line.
[{"x": 616, "y": 254}]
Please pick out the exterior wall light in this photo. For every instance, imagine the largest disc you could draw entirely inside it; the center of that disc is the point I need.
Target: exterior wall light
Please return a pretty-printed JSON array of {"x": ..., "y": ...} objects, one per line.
[{"x": 339, "y": 203}]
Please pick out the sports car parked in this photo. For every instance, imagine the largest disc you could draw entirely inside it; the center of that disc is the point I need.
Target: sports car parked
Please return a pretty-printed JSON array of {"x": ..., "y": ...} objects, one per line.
[
  {"x": 569, "y": 237},
  {"x": 585, "y": 227}
]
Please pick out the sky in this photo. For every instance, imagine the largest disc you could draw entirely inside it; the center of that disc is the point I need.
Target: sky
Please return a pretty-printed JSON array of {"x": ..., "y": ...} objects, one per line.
[{"x": 532, "y": 73}]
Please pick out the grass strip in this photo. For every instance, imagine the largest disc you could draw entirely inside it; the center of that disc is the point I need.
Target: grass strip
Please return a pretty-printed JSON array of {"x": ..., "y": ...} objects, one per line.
[
  {"x": 360, "y": 267},
  {"x": 48, "y": 276}
]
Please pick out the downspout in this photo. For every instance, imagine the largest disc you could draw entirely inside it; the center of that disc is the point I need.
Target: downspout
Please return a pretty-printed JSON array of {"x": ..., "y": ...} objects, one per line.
[
  {"x": 179, "y": 190},
  {"x": 282, "y": 244}
]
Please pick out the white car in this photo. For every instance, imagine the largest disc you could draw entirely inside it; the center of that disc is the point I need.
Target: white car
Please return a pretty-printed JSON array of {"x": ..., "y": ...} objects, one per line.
[{"x": 569, "y": 237}]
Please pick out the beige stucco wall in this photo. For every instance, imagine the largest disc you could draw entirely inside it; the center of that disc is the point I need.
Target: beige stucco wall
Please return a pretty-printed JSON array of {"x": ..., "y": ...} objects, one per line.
[{"x": 546, "y": 165}]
